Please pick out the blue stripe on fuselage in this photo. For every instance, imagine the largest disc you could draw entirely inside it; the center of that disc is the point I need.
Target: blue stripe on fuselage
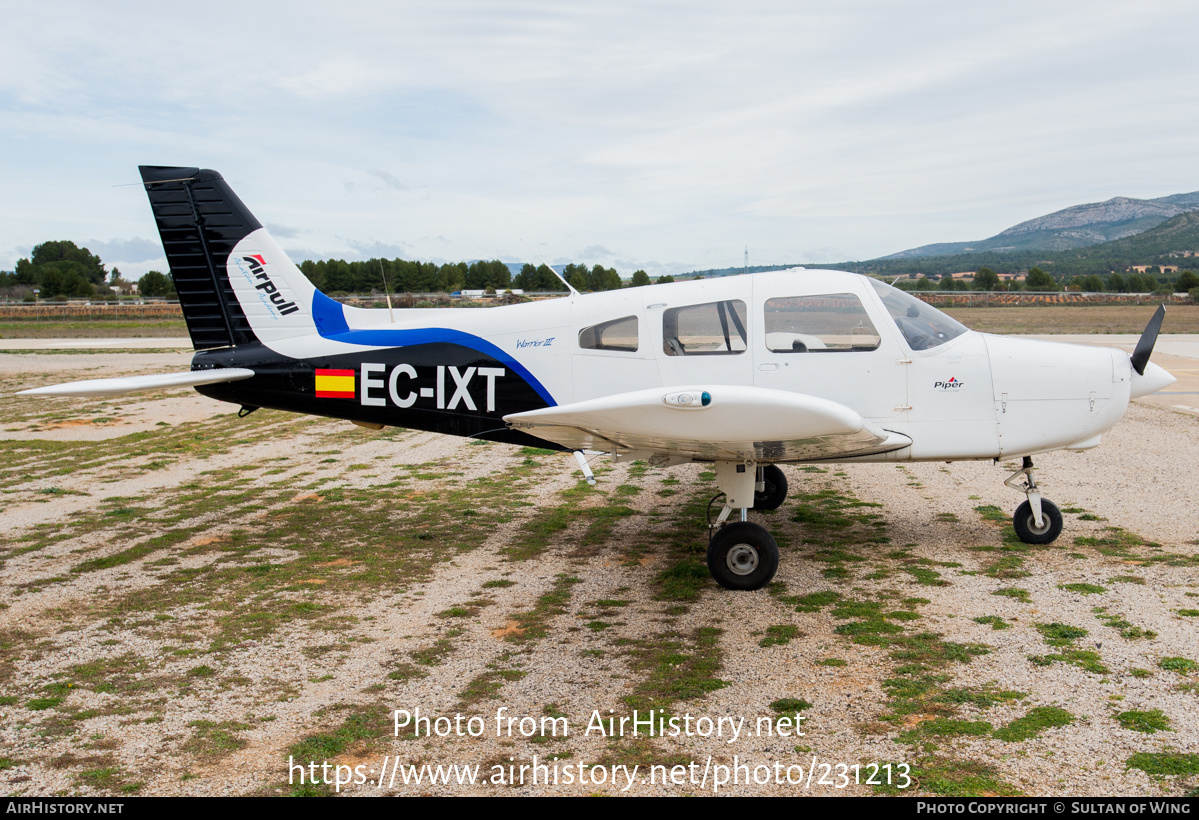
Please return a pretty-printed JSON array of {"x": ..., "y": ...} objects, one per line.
[{"x": 330, "y": 320}]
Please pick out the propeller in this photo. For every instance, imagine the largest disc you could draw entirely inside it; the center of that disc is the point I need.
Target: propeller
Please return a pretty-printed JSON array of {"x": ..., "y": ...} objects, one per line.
[{"x": 1140, "y": 356}]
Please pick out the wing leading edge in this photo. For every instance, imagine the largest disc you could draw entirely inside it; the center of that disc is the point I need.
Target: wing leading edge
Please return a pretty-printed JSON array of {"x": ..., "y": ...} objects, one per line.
[
  {"x": 133, "y": 384},
  {"x": 722, "y": 423}
]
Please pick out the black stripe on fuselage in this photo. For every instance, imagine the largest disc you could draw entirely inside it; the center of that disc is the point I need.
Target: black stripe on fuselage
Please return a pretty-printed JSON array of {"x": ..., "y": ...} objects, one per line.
[{"x": 441, "y": 387}]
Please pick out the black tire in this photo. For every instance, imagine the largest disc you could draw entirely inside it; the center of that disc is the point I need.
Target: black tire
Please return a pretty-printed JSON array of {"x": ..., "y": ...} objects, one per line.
[
  {"x": 743, "y": 556},
  {"x": 1026, "y": 525},
  {"x": 775, "y": 493}
]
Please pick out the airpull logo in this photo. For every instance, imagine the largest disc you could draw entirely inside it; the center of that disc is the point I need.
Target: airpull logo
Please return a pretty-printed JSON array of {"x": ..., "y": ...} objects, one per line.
[
  {"x": 952, "y": 384},
  {"x": 258, "y": 270}
]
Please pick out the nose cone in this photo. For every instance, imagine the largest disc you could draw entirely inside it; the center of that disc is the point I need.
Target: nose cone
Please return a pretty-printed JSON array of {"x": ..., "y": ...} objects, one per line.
[{"x": 1153, "y": 379}]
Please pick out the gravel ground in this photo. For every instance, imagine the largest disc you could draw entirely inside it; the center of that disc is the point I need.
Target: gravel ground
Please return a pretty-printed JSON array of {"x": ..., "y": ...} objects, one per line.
[{"x": 177, "y": 712}]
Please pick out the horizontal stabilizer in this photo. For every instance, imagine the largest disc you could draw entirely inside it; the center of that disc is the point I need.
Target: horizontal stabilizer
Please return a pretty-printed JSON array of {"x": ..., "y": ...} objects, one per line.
[
  {"x": 134, "y": 384},
  {"x": 722, "y": 422}
]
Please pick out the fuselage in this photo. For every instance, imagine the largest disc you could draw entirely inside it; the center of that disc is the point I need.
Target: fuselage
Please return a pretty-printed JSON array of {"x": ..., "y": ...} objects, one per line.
[{"x": 901, "y": 364}]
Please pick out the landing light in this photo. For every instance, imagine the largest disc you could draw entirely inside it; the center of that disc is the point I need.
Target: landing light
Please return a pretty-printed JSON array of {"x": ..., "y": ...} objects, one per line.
[{"x": 688, "y": 401}]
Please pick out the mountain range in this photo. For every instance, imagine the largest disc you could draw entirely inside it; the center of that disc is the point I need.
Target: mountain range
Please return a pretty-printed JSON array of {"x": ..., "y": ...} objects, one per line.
[{"x": 1075, "y": 227}]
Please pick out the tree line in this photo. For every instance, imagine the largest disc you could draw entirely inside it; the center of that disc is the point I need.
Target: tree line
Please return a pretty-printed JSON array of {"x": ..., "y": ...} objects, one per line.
[
  {"x": 337, "y": 276},
  {"x": 62, "y": 269},
  {"x": 986, "y": 279}
]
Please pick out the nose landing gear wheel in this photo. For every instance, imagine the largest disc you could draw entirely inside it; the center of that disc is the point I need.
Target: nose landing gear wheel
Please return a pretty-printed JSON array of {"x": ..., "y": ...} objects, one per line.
[
  {"x": 1025, "y": 523},
  {"x": 775, "y": 492},
  {"x": 743, "y": 556}
]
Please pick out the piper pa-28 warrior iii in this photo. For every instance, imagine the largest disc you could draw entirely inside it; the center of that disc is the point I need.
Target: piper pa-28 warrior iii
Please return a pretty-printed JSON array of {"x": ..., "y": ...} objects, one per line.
[{"x": 745, "y": 372}]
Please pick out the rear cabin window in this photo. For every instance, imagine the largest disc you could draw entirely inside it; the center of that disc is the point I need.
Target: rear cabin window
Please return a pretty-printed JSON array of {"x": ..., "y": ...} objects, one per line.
[
  {"x": 618, "y": 334},
  {"x": 710, "y": 329},
  {"x": 819, "y": 324}
]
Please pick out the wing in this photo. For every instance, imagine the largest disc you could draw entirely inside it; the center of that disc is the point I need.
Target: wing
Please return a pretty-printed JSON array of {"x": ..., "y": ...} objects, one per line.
[
  {"x": 132, "y": 384},
  {"x": 723, "y": 423}
]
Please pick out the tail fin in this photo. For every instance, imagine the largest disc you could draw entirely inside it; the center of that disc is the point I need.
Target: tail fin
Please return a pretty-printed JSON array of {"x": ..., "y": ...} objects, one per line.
[{"x": 235, "y": 284}]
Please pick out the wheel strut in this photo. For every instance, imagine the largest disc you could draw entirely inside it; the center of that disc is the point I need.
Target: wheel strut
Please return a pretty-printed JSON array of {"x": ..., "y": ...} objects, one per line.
[{"x": 1029, "y": 488}]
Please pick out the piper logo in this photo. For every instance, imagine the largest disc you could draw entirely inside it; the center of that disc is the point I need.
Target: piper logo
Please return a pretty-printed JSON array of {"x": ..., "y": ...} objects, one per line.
[
  {"x": 266, "y": 286},
  {"x": 952, "y": 384}
]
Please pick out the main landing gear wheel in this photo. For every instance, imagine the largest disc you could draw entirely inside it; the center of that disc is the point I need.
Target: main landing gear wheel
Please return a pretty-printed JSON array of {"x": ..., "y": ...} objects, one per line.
[
  {"x": 775, "y": 492},
  {"x": 1026, "y": 527},
  {"x": 743, "y": 555}
]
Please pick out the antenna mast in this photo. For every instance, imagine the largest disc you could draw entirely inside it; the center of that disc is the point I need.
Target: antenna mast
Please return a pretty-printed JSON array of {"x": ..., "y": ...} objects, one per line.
[
  {"x": 387, "y": 292},
  {"x": 573, "y": 292}
]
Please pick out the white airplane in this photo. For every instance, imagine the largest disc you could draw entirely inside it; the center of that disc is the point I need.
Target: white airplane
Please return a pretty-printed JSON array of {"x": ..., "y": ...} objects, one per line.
[{"x": 744, "y": 372}]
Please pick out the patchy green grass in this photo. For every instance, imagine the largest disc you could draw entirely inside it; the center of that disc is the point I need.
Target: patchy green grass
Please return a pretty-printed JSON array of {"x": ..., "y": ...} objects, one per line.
[
  {"x": 779, "y": 635},
  {"x": 213, "y": 740},
  {"x": 1033, "y": 723},
  {"x": 534, "y": 624},
  {"x": 983, "y": 697},
  {"x": 1127, "y": 629},
  {"x": 683, "y": 580},
  {"x": 487, "y": 685},
  {"x": 989, "y": 512},
  {"x": 1183, "y": 666},
  {"x": 1149, "y": 722},
  {"x": 1018, "y": 594},
  {"x": 950, "y": 777},
  {"x": 355, "y": 730},
  {"x": 674, "y": 666},
  {"x": 1165, "y": 763},
  {"x": 1083, "y": 589},
  {"x": 994, "y": 620}
]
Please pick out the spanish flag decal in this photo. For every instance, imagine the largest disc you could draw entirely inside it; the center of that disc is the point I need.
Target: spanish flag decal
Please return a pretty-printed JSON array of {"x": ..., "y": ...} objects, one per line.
[{"x": 334, "y": 384}]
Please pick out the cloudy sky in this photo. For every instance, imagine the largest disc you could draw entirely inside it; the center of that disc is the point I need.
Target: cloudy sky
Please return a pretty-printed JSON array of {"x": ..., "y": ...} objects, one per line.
[{"x": 659, "y": 135}]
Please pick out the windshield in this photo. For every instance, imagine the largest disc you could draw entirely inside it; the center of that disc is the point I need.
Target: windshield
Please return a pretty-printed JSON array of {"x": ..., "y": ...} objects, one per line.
[{"x": 921, "y": 324}]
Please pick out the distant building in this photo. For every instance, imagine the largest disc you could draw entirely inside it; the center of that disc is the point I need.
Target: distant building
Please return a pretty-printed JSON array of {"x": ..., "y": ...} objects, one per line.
[{"x": 1143, "y": 268}]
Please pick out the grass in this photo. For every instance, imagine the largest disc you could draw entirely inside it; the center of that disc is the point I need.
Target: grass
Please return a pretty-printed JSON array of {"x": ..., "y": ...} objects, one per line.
[
  {"x": 1183, "y": 666},
  {"x": 1059, "y": 634},
  {"x": 675, "y": 666},
  {"x": 779, "y": 635},
  {"x": 994, "y": 620},
  {"x": 1165, "y": 763},
  {"x": 1127, "y": 630},
  {"x": 952, "y": 777},
  {"x": 1033, "y": 723},
  {"x": 1148, "y": 722},
  {"x": 1083, "y": 589},
  {"x": 356, "y": 729},
  {"x": 1063, "y": 636},
  {"x": 214, "y": 740},
  {"x": 534, "y": 623}
]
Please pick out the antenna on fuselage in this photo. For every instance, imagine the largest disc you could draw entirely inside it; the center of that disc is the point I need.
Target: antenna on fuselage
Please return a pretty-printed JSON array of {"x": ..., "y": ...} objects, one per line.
[
  {"x": 387, "y": 293},
  {"x": 573, "y": 292}
]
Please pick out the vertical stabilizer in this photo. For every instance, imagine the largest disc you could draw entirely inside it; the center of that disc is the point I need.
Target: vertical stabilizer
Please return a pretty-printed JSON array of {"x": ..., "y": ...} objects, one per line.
[{"x": 235, "y": 284}]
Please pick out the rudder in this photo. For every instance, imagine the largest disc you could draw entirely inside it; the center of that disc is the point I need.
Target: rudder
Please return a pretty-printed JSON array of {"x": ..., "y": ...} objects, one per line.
[{"x": 235, "y": 284}]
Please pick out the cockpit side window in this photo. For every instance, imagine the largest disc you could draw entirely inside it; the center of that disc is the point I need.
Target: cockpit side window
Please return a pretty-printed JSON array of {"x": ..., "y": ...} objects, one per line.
[
  {"x": 618, "y": 334},
  {"x": 819, "y": 324},
  {"x": 922, "y": 325},
  {"x": 710, "y": 329}
]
